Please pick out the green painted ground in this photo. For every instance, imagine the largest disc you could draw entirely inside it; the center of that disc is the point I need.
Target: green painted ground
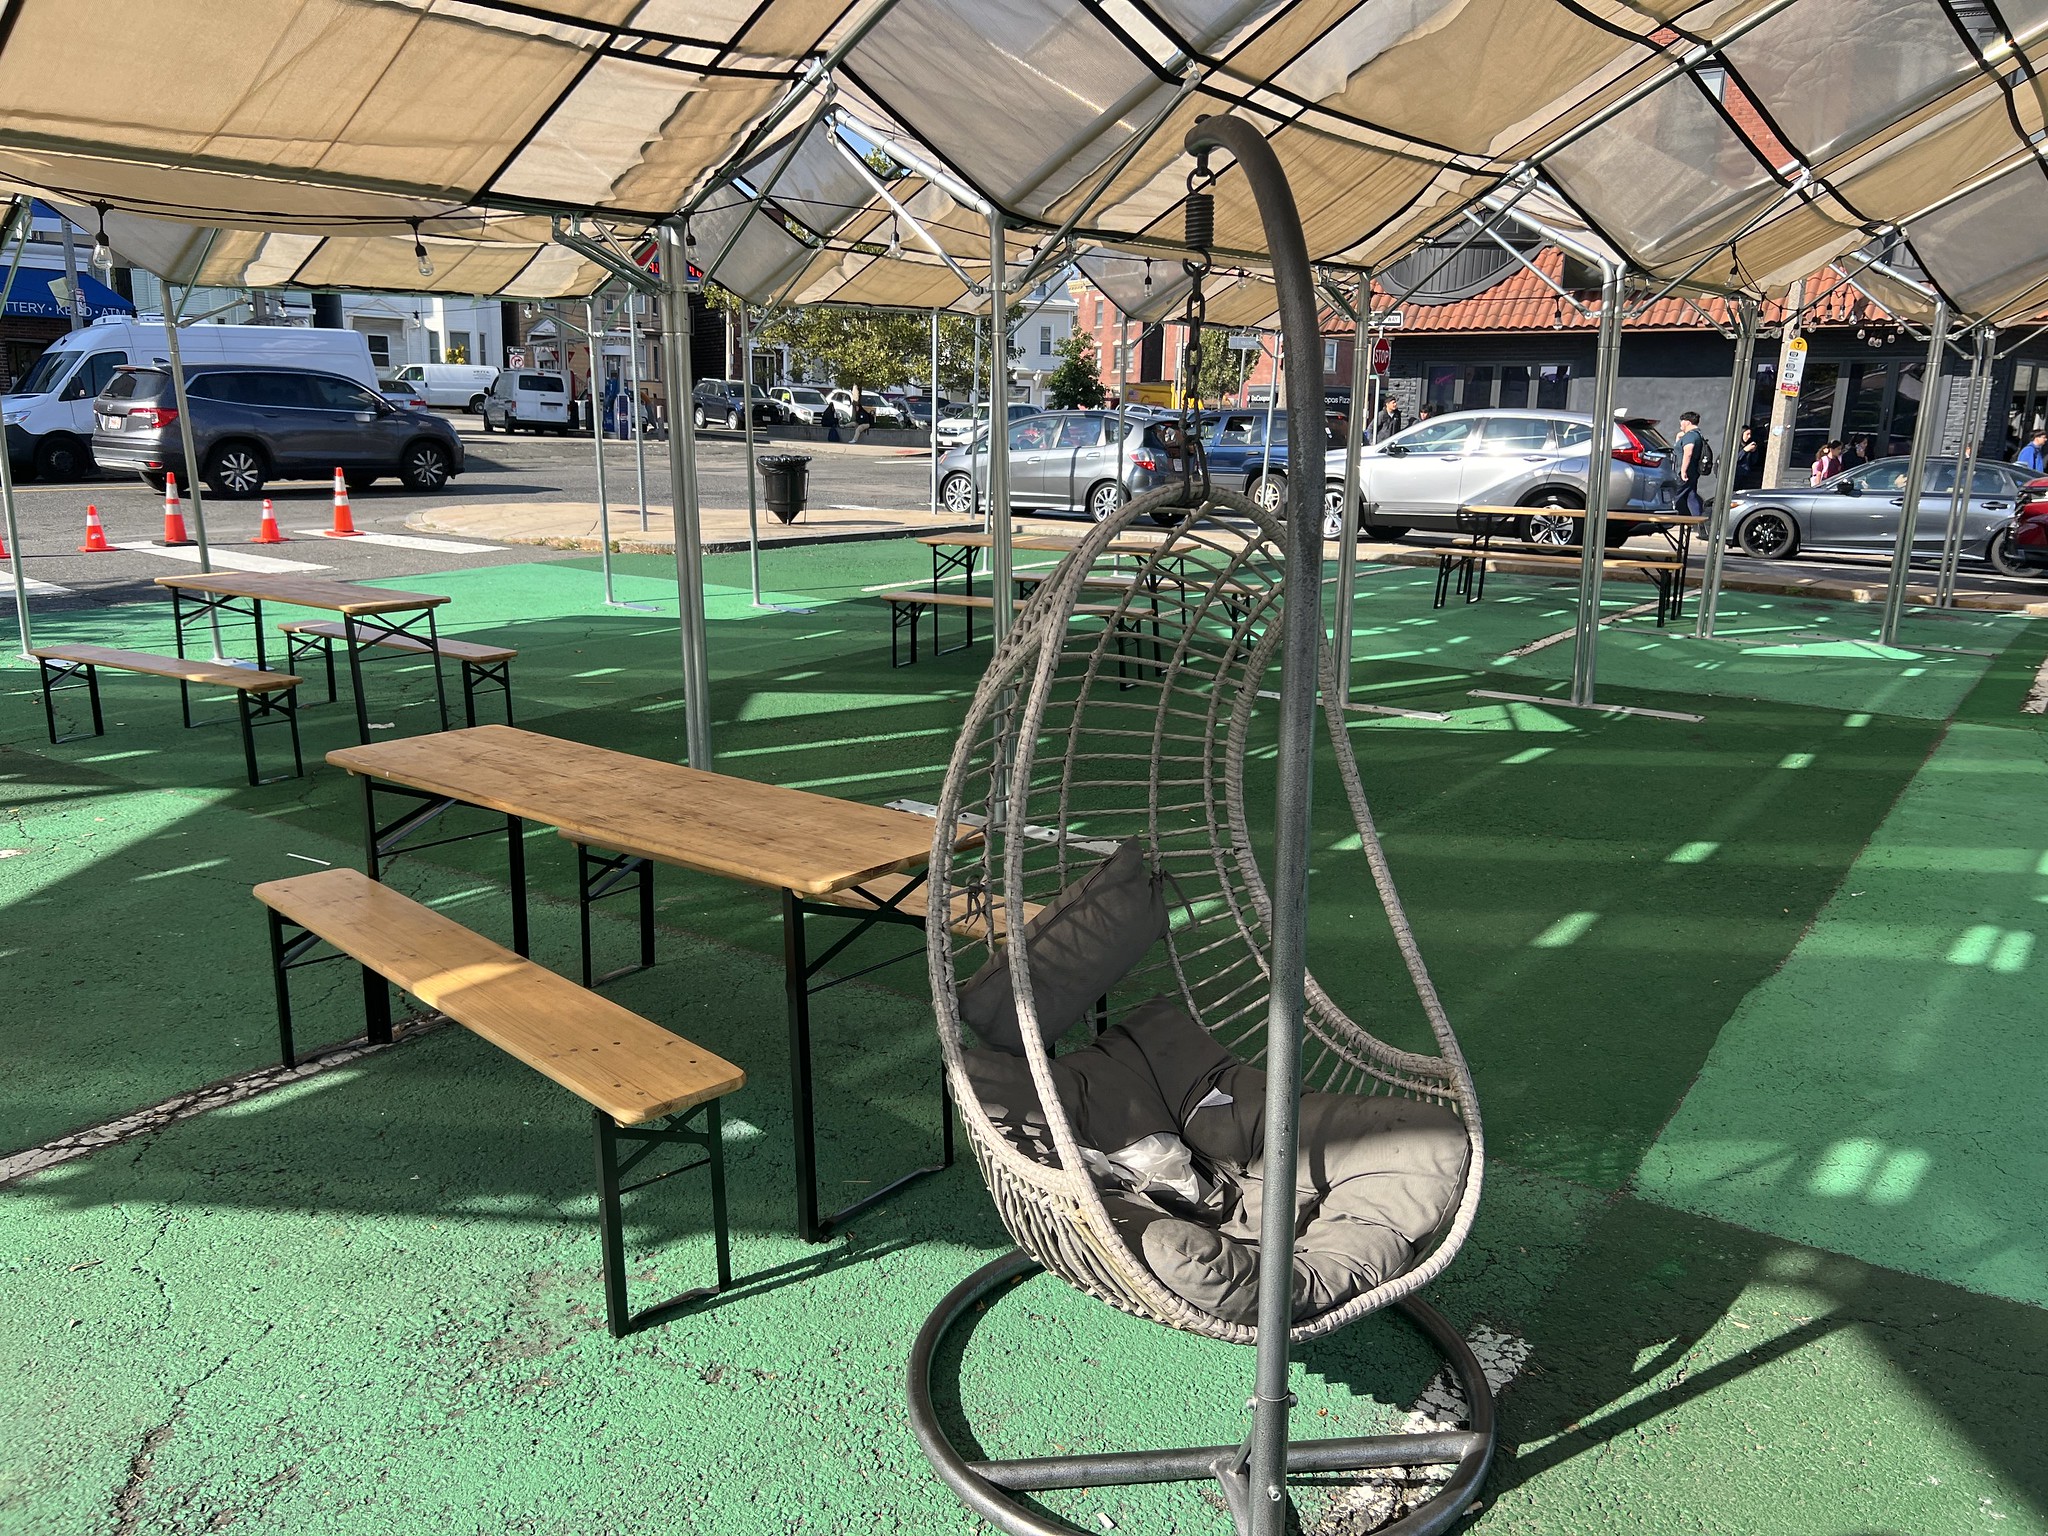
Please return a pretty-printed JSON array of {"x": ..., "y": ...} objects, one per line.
[{"x": 366, "y": 1304}]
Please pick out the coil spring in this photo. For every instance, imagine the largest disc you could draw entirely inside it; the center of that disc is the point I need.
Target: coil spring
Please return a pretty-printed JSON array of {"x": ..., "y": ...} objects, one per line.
[{"x": 1201, "y": 220}]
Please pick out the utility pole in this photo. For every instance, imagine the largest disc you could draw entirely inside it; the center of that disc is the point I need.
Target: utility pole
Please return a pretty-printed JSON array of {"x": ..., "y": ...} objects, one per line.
[{"x": 1784, "y": 408}]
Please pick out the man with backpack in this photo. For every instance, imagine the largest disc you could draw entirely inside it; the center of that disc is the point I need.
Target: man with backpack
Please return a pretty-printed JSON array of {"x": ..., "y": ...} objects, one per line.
[{"x": 1695, "y": 462}]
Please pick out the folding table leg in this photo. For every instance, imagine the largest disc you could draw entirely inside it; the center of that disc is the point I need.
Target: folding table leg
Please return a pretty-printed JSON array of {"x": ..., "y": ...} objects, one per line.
[
  {"x": 282, "y": 980},
  {"x": 611, "y": 1234},
  {"x": 248, "y": 734}
]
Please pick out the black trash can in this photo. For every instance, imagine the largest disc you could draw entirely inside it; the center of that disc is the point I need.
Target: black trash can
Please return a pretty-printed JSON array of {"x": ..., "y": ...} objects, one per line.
[{"x": 784, "y": 477}]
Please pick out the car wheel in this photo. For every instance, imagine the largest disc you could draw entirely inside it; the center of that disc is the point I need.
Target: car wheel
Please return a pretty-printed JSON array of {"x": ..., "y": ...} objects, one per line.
[
  {"x": 487, "y": 421},
  {"x": 2000, "y": 553},
  {"x": 62, "y": 458},
  {"x": 476, "y": 405},
  {"x": 155, "y": 479},
  {"x": 733, "y": 422},
  {"x": 236, "y": 470},
  {"x": 1386, "y": 533},
  {"x": 1537, "y": 528},
  {"x": 425, "y": 467},
  {"x": 511, "y": 423},
  {"x": 1269, "y": 493},
  {"x": 1105, "y": 500},
  {"x": 697, "y": 417},
  {"x": 358, "y": 480},
  {"x": 1768, "y": 534},
  {"x": 957, "y": 492}
]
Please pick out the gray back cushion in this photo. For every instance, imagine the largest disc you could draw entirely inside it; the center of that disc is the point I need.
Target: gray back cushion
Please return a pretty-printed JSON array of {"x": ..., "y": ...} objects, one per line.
[{"x": 1092, "y": 935}]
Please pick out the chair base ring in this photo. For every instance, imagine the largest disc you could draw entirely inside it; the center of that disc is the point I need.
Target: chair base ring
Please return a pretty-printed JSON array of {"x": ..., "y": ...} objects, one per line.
[{"x": 989, "y": 1488}]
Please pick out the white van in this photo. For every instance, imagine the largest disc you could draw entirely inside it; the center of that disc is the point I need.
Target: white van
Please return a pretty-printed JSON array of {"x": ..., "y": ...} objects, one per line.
[
  {"x": 459, "y": 386},
  {"x": 529, "y": 398},
  {"x": 49, "y": 415}
]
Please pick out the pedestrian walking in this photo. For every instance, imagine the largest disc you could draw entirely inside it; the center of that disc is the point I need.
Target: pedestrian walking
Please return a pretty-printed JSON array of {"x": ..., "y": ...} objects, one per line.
[
  {"x": 1695, "y": 459},
  {"x": 1388, "y": 422},
  {"x": 1827, "y": 463}
]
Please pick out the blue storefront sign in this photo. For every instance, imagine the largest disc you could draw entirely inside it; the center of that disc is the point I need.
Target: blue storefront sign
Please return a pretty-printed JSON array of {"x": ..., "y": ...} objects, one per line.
[{"x": 42, "y": 294}]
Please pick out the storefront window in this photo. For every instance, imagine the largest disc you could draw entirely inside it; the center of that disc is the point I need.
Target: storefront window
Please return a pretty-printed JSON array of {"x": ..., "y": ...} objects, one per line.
[{"x": 1510, "y": 386}]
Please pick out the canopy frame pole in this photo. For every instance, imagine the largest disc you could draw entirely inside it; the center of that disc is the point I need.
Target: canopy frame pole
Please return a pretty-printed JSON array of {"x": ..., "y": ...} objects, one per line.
[
  {"x": 761, "y": 190},
  {"x": 1493, "y": 233},
  {"x": 594, "y": 338},
  {"x": 1916, "y": 471},
  {"x": 1740, "y": 390},
  {"x": 1123, "y": 397},
  {"x": 1272, "y": 404},
  {"x": 1254, "y": 1478},
  {"x": 867, "y": 173},
  {"x": 17, "y": 213},
  {"x": 747, "y": 422},
  {"x": 1975, "y": 399},
  {"x": 639, "y": 407},
  {"x": 935, "y": 412},
  {"x": 177, "y": 362},
  {"x": 1599, "y": 484},
  {"x": 1347, "y": 524},
  {"x": 999, "y": 569},
  {"x": 682, "y": 480}
]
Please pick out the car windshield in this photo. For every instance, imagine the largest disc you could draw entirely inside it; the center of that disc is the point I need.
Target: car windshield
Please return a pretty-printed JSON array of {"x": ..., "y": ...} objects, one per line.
[
  {"x": 49, "y": 368},
  {"x": 805, "y": 396}
]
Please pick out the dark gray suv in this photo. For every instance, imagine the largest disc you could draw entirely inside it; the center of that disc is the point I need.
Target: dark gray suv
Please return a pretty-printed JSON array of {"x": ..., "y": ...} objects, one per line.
[{"x": 252, "y": 425}]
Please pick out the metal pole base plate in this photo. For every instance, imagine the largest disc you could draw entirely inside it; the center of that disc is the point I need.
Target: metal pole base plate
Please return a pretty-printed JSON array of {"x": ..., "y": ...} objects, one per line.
[{"x": 989, "y": 1488}]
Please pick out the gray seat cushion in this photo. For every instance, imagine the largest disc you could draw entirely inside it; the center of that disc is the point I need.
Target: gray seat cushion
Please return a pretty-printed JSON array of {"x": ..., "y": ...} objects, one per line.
[
  {"x": 1087, "y": 939},
  {"x": 1377, "y": 1178}
]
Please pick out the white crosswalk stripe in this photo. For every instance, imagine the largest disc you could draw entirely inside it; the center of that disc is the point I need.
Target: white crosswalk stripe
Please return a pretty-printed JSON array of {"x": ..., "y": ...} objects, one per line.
[
  {"x": 226, "y": 559},
  {"x": 35, "y": 588},
  {"x": 406, "y": 541}
]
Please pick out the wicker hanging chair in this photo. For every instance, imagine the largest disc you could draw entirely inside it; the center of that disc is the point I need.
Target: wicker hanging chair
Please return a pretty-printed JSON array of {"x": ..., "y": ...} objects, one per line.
[{"x": 1125, "y": 705}]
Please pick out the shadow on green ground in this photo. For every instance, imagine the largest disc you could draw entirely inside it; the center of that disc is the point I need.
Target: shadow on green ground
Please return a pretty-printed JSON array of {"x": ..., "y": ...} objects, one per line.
[{"x": 407, "y": 1240}]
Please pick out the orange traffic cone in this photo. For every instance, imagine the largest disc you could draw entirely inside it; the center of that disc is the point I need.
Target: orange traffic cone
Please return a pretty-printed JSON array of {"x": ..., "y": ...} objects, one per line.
[
  {"x": 95, "y": 535},
  {"x": 174, "y": 516},
  {"x": 3, "y": 545},
  {"x": 267, "y": 533},
  {"x": 344, "y": 524}
]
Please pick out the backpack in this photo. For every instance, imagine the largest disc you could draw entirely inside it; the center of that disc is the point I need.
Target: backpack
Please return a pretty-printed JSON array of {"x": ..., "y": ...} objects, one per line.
[{"x": 1706, "y": 458}]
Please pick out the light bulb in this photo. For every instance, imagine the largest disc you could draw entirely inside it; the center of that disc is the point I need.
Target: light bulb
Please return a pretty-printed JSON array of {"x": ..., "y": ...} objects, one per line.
[
  {"x": 102, "y": 251},
  {"x": 895, "y": 238},
  {"x": 419, "y": 251}
]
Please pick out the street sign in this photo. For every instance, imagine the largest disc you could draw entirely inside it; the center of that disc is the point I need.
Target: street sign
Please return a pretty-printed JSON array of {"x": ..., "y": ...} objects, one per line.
[
  {"x": 1793, "y": 368},
  {"x": 1245, "y": 341},
  {"x": 1382, "y": 355},
  {"x": 516, "y": 357}
]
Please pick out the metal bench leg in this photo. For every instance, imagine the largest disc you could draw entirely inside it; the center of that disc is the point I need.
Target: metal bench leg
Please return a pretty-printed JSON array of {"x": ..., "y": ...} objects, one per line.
[
  {"x": 515, "y": 871},
  {"x": 714, "y": 1127},
  {"x": 92, "y": 693},
  {"x": 376, "y": 1008},
  {"x": 611, "y": 1235},
  {"x": 468, "y": 694},
  {"x": 248, "y": 733},
  {"x": 440, "y": 685},
  {"x": 290, "y": 705},
  {"x": 282, "y": 978}
]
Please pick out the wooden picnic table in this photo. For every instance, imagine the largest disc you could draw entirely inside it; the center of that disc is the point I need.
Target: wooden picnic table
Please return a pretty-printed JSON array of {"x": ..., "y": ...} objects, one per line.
[
  {"x": 824, "y": 856},
  {"x": 369, "y": 616},
  {"x": 1479, "y": 525}
]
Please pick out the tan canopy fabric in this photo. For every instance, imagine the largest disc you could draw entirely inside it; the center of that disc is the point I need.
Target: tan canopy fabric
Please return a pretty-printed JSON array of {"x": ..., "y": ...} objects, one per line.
[{"x": 1734, "y": 144}]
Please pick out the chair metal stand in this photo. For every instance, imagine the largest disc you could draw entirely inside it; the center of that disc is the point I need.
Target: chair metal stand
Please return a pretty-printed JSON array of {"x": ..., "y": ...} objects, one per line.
[
  {"x": 611, "y": 1168},
  {"x": 991, "y": 1488},
  {"x": 70, "y": 674}
]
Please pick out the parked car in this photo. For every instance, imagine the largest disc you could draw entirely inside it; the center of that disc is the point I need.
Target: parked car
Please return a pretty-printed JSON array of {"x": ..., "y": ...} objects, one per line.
[
  {"x": 1242, "y": 459},
  {"x": 405, "y": 396},
  {"x": 885, "y": 415},
  {"x": 1421, "y": 476},
  {"x": 1859, "y": 511},
  {"x": 458, "y": 385},
  {"x": 723, "y": 402},
  {"x": 1062, "y": 461},
  {"x": 49, "y": 415},
  {"x": 958, "y": 427},
  {"x": 524, "y": 397},
  {"x": 2023, "y": 550},
  {"x": 803, "y": 403},
  {"x": 252, "y": 425}
]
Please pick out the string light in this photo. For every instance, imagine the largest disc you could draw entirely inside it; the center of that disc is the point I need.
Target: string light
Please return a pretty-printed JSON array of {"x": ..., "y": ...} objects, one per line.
[
  {"x": 102, "y": 250},
  {"x": 419, "y": 251}
]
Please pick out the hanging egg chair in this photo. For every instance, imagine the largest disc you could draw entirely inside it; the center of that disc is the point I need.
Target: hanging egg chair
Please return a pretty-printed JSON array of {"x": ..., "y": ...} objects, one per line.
[{"x": 1110, "y": 1045}]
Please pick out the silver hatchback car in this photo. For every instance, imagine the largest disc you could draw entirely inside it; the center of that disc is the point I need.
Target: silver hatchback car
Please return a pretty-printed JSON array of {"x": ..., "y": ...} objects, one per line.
[
  {"x": 1062, "y": 461},
  {"x": 1421, "y": 477}
]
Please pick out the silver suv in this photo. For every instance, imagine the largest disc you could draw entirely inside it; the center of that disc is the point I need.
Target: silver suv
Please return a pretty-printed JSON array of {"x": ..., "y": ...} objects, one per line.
[{"x": 1421, "y": 477}]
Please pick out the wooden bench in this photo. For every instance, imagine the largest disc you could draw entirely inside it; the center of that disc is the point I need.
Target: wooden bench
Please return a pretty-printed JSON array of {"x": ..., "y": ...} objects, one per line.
[
  {"x": 260, "y": 697},
  {"x": 632, "y": 1072},
  {"x": 483, "y": 666},
  {"x": 1469, "y": 562},
  {"x": 908, "y": 607}
]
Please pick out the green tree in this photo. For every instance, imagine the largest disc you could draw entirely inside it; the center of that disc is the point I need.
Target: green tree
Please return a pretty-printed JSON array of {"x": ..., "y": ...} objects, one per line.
[
  {"x": 1223, "y": 370},
  {"x": 1077, "y": 383}
]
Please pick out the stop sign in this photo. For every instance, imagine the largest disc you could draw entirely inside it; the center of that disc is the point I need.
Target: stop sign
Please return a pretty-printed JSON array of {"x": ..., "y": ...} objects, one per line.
[{"x": 1382, "y": 355}]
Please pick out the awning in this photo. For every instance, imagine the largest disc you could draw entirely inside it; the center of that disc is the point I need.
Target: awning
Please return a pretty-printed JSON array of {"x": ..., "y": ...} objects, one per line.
[{"x": 42, "y": 294}]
